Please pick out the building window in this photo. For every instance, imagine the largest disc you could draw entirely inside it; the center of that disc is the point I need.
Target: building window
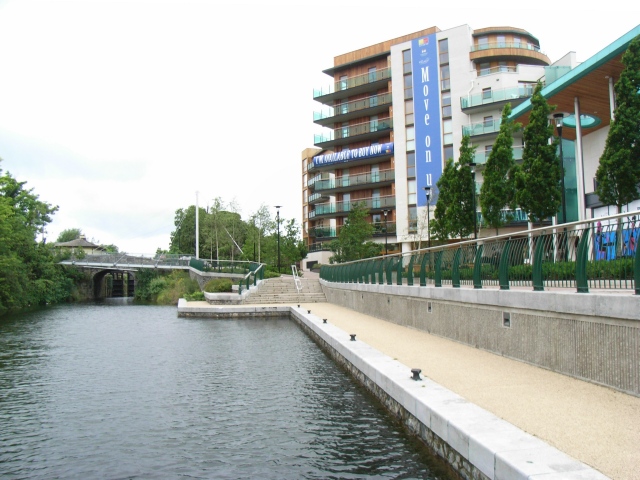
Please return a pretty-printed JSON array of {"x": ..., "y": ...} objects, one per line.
[
  {"x": 372, "y": 74},
  {"x": 445, "y": 78},
  {"x": 413, "y": 219},
  {"x": 447, "y": 130},
  {"x": 408, "y": 112},
  {"x": 487, "y": 151},
  {"x": 485, "y": 69},
  {"x": 446, "y": 104},
  {"x": 345, "y": 130},
  {"x": 448, "y": 152},
  {"x": 343, "y": 107},
  {"x": 373, "y": 123},
  {"x": 483, "y": 43},
  {"x": 373, "y": 101},
  {"x": 503, "y": 67},
  {"x": 443, "y": 46},
  {"x": 406, "y": 61},
  {"x": 408, "y": 84},
  {"x": 516, "y": 42},
  {"x": 411, "y": 164},
  {"x": 486, "y": 93},
  {"x": 343, "y": 82},
  {"x": 502, "y": 41},
  {"x": 411, "y": 190},
  {"x": 488, "y": 122},
  {"x": 411, "y": 138},
  {"x": 375, "y": 198}
]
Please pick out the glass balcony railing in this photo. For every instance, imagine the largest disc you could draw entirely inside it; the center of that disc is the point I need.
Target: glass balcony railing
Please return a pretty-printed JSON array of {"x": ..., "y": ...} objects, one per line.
[
  {"x": 481, "y": 158},
  {"x": 487, "y": 46},
  {"x": 354, "y": 130},
  {"x": 372, "y": 77},
  {"x": 374, "y": 203},
  {"x": 355, "y": 180},
  {"x": 516, "y": 215},
  {"x": 492, "y": 96},
  {"x": 355, "y": 106},
  {"x": 322, "y": 232},
  {"x": 482, "y": 128},
  {"x": 500, "y": 69}
]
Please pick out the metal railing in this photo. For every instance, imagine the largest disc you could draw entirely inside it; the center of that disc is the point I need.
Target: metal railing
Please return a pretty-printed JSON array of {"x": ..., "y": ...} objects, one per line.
[
  {"x": 370, "y": 77},
  {"x": 490, "y": 96},
  {"x": 522, "y": 45},
  {"x": 481, "y": 128},
  {"x": 347, "y": 181},
  {"x": 354, "y": 130},
  {"x": 128, "y": 260},
  {"x": 354, "y": 106},
  {"x": 598, "y": 253},
  {"x": 257, "y": 270},
  {"x": 373, "y": 203},
  {"x": 480, "y": 158}
]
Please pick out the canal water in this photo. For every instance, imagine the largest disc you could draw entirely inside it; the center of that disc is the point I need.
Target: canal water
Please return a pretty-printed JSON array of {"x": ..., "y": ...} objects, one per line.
[{"x": 134, "y": 392}]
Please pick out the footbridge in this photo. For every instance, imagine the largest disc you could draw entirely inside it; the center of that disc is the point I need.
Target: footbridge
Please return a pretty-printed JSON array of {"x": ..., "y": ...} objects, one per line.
[{"x": 120, "y": 269}]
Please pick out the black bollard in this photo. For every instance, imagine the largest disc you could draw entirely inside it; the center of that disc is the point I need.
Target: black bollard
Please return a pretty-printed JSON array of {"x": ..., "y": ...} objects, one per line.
[
  {"x": 416, "y": 374},
  {"x": 353, "y": 337}
]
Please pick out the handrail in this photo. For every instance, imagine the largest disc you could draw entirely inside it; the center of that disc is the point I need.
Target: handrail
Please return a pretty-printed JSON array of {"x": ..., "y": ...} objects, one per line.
[
  {"x": 296, "y": 278},
  {"x": 600, "y": 253},
  {"x": 258, "y": 274}
]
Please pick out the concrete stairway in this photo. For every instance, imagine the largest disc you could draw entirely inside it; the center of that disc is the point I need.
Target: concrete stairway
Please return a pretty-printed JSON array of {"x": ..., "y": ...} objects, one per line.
[{"x": 283, "y": 290}]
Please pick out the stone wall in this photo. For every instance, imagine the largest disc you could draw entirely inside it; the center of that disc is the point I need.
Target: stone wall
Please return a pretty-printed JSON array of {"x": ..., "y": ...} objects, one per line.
[{"x": 594, "y": 337}]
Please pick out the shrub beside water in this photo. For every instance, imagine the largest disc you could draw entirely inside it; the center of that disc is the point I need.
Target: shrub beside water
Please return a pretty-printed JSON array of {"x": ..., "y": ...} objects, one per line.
[{"x": 219, "y": 285}]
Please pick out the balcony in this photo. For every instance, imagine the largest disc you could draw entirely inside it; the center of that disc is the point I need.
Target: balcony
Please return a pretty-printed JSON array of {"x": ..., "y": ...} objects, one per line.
[
  {"x": 486, "y": 127},
  {"x": 481, "y": 158},
  {"x": 371, "y": 130},
  {"x": 522, "y": 52},
  {"x": 343, "y": 208},
  {"x": 317, "y": 197},
  {"x": 515, "y": 95},
  {"x": 498, "y": 69},
  {"x": 368, "y": 82},
  {"x": 322, "y": 232},
  {"x": 517, "y": 217},
  {"x": 359, "y": 108},
  {"x": 379, "y": 230},
  {"x": 355, "y": 182}
]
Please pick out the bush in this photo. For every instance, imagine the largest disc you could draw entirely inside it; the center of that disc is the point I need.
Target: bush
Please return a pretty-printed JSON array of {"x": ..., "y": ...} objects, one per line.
[
  {"x": 194, "y": 297},
  {"x": 270, "y": 274},
  {"x": 218, "y": 285}
]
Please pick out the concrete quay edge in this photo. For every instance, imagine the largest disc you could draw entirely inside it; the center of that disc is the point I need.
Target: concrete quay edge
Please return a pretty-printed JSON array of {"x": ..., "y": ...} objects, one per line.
[{"x": 494, "y": 447}]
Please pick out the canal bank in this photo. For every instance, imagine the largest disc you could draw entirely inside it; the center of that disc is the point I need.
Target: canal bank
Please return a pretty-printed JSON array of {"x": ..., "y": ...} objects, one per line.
[{"x": 504, "y": 418}]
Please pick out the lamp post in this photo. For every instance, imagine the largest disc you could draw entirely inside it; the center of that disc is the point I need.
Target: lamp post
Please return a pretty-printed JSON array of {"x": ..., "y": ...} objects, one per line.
[
  {"x": 278, "y": 221},
  {"x": 472, "y": 166},
  {"x": 427, "y": 191},
  {"x": 386, "y": 233},
  {"x": 558, "y": 119}
]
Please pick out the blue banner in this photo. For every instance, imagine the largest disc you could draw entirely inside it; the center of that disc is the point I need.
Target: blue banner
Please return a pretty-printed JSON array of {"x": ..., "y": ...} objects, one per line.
[
  {"x": 426, "y": 106},
  {"x": 353, "y": 154}
]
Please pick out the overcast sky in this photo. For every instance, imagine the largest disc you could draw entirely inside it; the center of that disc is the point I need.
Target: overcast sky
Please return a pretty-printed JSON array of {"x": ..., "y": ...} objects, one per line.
[{"x": 119, "y": 111}]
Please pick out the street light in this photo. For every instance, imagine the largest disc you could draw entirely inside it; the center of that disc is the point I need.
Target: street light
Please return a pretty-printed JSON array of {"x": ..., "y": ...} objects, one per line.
[
  {"x": 558, "y": 118},
  {"x": 472, "y": 166},
  {"x": 427, "y": 191},
  {"x": 386, "y": 233},
  {"x": 278, "y": 221}
]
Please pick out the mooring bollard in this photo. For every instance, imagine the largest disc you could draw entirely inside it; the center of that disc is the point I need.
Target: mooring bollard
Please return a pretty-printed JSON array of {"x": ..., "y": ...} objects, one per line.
[
  {"x": 308, "y": 311},
  {"x": 324, "y": 320},
  {"x": 353, "y": 337},
  {"x": 416, "y": 374}
]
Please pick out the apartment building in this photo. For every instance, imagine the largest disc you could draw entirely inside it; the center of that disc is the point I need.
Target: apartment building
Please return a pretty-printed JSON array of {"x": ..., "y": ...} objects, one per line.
[{"x": 394, "y": 112}]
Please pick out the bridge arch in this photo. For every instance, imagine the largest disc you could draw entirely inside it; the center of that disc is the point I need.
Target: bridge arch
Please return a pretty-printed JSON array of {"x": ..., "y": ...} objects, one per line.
[{"x": 113, "y": 283}]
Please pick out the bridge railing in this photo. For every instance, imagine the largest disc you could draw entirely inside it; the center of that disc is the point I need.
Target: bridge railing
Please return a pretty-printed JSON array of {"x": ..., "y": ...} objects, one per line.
[
  {"x": 127, "y": 260},
  {"x": 598, "y": 253}
]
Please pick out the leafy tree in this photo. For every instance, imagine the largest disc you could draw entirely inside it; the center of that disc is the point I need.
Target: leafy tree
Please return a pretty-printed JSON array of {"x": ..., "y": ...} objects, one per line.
[
  {"x": 261, "y": 225},
  {"x": 292, "y": 248},
  {"x": 29, "y": 273},
  {"x": 498, "y": 189},
  {"x": 68, "y": 235},
  {"x": 618, "y": 174},
  {"x": 538, "y": 190},
  {"x": 454, "y": 212},
  {"x": 353, "y": 240}
]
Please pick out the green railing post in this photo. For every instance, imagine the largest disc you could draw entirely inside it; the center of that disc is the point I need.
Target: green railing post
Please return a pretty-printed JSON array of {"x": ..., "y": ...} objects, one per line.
[
  {"x": 582, "y": 282},
  {"x": 503, "y": 268},
  {"x": 410, "y": 270},
  {"x": 636, "y": 270},
  {"x": 389, "y": 270},
  {"x": 248, "y": 280},
  {"x": 423, "y": 269},
  {"x": 240, "y": 286},
  {"x": 381, "y": 272},
  {"x": 438, "y": 276},
  {"x": 536, "y": 271},
  {"x": 366, "y": 270},
  {"x": 399, "y": 272},
  {"x": 477, "y": 268},
  {"x": 455, "y": 269}
]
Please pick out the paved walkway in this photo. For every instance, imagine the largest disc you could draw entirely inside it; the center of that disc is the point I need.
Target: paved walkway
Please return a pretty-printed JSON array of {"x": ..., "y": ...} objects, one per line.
[{"x": 596, "y": 425}]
